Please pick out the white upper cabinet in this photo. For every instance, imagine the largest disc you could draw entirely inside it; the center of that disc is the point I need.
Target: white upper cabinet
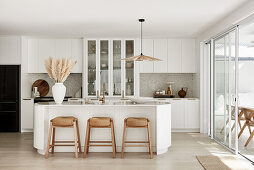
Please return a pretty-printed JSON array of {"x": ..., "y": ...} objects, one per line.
[
  {"x": 188, "y": 56},
  {"x": 32, "y": 55},
  {"x": 160, "y": 51},
  {"x": 147, "y": 49},
  {"x": 39, "y": 49},
  {"x": 77, "y": 54},
  {"x": 63, "y": 48},
  {"x": 174, "y": 56},
  {"x": 10, "y": 50},
  {"x": 45, "y": 50},
  {"x": 178, "y": 56}
]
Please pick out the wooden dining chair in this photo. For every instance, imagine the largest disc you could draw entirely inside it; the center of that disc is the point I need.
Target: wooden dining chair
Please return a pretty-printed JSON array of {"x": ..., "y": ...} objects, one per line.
[
  {"x": 249, "y": 121},
  {"x": 240, "y": 118}
]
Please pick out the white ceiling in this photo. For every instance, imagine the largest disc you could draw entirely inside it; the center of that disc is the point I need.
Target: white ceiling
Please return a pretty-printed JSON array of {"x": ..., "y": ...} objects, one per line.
[{"x": 112, "y": 18}]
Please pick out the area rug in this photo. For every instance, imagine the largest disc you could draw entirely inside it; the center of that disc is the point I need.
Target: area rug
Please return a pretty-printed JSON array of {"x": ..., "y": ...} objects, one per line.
[{"x": 221, "y": 163}]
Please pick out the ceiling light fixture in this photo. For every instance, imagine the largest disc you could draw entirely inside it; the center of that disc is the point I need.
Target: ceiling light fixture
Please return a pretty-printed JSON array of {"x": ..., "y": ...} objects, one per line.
[{"x": 141, "y": 57}]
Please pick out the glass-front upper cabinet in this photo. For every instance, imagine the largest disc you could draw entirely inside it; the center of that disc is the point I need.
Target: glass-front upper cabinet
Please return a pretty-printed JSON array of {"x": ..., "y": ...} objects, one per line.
[
  {"x": 91, "y": 63},
  {"x": 104, "y": 66},
  {"x": 129, "y": 68},
  {"x": 117, "y": 53}
]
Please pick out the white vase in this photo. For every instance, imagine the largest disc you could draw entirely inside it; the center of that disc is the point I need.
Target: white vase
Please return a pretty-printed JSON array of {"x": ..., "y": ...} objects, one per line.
[{"x": 58, "y": 91}]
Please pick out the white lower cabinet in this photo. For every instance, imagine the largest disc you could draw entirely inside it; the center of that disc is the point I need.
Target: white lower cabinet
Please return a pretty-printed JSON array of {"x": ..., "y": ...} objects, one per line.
[
  {"x": 185, "y": 115},
  {"x": 27, "y": 106},
  {"x": 191, "y": 111}
]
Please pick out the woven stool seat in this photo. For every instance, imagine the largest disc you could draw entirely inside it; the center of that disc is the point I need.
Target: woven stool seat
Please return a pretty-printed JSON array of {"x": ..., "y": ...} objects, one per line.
[
  {"x": 136, "y": 122},
  {"x": 100, "y": 121},
  {"x": 63, "y": 121}
]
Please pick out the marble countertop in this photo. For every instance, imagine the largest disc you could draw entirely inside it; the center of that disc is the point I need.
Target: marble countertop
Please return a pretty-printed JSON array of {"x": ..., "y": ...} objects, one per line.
[{"x": 107, "y": 103}]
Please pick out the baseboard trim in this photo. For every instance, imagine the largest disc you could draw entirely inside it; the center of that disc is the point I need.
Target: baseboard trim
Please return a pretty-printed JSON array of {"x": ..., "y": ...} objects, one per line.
[
  {"x": 27, "y": 130},
  {"x": 185, "y": 130}
]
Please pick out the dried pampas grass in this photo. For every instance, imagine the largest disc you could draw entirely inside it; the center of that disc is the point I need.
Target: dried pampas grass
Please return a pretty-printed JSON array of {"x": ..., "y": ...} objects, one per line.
[{"x": 59, "y": 69}]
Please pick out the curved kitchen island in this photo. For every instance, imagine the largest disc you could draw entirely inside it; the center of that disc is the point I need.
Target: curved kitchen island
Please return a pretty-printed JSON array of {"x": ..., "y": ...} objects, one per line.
[{"x": 159, "y": 114}]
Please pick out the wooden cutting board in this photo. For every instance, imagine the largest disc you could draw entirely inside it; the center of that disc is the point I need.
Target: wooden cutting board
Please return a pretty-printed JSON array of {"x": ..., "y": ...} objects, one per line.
[{"x": 43, "y": 87}]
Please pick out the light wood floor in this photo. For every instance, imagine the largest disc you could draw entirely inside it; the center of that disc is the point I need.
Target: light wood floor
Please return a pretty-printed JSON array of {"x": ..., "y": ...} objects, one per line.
[{"x": 17, "y": 152}]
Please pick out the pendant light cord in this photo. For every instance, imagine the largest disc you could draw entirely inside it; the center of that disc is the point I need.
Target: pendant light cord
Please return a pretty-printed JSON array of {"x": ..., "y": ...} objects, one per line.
[{"x": 141, "y": 37}]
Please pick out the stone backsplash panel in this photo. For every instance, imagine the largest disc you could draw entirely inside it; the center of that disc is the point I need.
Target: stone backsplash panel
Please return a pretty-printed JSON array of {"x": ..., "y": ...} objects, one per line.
[
  {"x": 73, "y": 83},
  {"x": 151, "y": 82}
]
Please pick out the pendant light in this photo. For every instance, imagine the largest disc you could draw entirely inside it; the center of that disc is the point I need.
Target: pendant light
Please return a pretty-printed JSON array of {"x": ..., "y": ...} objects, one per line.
[{"x": 141, "y": 57}]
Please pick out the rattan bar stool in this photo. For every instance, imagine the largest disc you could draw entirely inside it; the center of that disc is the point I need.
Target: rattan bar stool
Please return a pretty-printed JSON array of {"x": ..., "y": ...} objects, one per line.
[
  {"x": 63, "y": 122},
  {"x": 135, "y": 122},
  {"x": 99, "y": 122}
]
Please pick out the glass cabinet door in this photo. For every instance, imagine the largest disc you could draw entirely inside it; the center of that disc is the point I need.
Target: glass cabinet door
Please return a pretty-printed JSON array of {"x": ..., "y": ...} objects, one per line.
[
  {"x": 104, "y": 65},
  {"x": 129, "y": 67},
  {"x": 91, "y": 67},
  {"x": 116, "y": 67}
]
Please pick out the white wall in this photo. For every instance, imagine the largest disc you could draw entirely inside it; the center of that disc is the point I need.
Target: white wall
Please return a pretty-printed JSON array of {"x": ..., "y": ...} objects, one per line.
[{"x": 10, "y": 52}]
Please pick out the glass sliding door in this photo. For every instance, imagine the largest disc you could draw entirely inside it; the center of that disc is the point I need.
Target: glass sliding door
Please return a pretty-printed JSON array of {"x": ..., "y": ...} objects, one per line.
[
  {"x": 246, "y": 89},
  {"x": 224, "y": 89}
]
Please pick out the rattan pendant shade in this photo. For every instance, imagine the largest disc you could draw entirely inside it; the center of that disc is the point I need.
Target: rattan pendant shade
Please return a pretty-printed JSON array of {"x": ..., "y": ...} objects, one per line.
[{"x": 141, "y": 57}]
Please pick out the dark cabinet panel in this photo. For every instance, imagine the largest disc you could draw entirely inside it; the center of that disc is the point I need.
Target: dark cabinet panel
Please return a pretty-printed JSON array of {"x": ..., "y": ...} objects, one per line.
[{"x": 9, "y": 98}]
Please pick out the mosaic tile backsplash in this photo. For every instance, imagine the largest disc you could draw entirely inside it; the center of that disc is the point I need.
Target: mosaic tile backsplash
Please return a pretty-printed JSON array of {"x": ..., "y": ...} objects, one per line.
[{"x": 151, "y": 82}]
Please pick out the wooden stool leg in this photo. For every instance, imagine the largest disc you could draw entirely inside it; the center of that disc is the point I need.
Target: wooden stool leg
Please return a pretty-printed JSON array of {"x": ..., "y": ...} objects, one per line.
[
  {"x": 79, "y": 145},
  {"x": 123, "y": 140},
  {"x": 49, "y": 140},
  {"x": 113, "y": 139},
  {"x": 53, "y": 140},
  {"x": 75, "y": 140},
  {"x": 114, "y": 136},
  {"x": 86, "y": 139},
  {"x": 150, "y": 142}
]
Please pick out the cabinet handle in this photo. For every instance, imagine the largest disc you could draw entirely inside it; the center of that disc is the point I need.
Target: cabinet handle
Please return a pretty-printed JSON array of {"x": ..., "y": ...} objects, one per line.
[
  {"x": 161, "y": 99},
  {"x": 27, "y": 99}
]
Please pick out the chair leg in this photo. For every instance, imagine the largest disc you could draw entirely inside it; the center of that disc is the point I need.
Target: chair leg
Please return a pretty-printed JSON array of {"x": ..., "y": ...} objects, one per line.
[
  {"x": 113, "y": 139},
  {"x": 49, "y": 140},
  {"x": 232, "y": 128},
  {"x": 123, "y": 140},
  {"x": 53, "y": 140},
  {"x": 240, "y": 133},
  {"x": 249, "y": 129},
  {"x": 75, "y": 140},
  {"x": 224, "y": 126},
  {"x": 249, "y": 139},
  {"x": 150, "y": 142},
  {"x": 79, "y": 145},
  {"x": 86, "y": 139}
]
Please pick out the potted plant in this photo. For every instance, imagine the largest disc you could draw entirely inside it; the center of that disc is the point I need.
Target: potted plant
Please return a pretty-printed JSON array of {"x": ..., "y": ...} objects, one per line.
[{"x": 58, "y": 70}]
